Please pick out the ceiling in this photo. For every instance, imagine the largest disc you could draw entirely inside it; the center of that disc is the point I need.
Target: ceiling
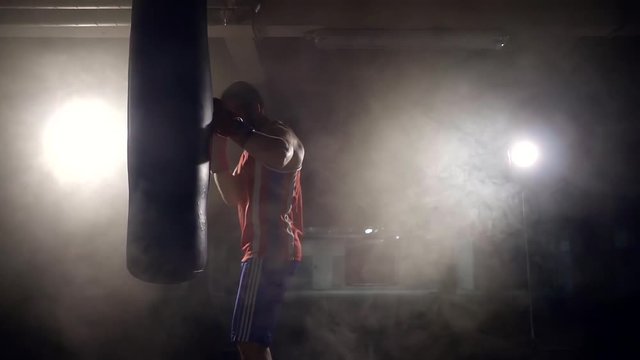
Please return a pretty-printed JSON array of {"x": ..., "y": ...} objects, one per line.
[{"x": 291, "y": 18}]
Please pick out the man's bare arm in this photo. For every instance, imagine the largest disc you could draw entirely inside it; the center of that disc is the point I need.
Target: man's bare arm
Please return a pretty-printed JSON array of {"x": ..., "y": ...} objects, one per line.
[
  {"x": 226, "y": 182},
  {"x": 276, "y": 147}
]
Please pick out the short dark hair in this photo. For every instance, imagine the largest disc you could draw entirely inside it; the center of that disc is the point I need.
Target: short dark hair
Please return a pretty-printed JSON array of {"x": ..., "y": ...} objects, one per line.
[{"x": 244, "y": 93}]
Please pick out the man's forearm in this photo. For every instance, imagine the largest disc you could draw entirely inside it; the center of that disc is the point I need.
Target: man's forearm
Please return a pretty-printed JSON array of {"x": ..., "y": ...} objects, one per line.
[
  {"x": 225, "y": 181},
  {"x": 219, "y": 159}
]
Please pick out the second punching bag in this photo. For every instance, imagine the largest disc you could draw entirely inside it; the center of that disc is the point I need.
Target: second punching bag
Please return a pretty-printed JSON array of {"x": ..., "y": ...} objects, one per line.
[{"x": 169, "y": 104}]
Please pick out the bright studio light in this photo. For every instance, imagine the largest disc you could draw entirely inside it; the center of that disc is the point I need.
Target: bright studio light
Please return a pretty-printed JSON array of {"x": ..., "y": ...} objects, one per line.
[
  {"x": 84, "y": 140},
  {"x": 368, "y": 231},
  {"x": 524, "y": 154}
]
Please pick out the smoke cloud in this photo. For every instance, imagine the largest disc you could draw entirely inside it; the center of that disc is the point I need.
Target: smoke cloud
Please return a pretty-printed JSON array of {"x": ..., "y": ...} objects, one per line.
[{"x": 411, "y": 141}]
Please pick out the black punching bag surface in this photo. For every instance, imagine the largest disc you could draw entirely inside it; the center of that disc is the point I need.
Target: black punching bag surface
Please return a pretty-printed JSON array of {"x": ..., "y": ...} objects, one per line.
[{"x": 169, "y": 104}]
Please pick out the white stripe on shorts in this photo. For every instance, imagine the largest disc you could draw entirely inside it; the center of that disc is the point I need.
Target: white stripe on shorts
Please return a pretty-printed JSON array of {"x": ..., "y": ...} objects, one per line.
[
  {"x": 255, "y": 215},
  {"x": 250, "y": 299}
]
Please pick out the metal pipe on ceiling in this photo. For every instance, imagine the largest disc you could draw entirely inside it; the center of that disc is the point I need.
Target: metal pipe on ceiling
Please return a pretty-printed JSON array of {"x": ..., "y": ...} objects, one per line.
[
  {"x": 107, "y": 7},
  {"x": 89, "y": 13},
  {"x": 362, "y": 39},
  {"x": 89, "y": 5},
  {"x": 64, "y": 5},
  {"x": 111, "y": 30}
]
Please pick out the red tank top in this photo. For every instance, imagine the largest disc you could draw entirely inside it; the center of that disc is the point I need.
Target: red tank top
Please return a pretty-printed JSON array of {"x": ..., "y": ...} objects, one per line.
[{"x": 270, "y": 211}]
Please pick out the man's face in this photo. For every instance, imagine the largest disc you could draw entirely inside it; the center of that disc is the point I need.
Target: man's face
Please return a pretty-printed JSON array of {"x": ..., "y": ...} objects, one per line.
[{"x": 233, "y": 106}]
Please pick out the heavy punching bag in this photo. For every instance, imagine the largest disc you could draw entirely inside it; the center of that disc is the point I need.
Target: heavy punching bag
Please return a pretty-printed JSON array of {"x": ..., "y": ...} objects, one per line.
[{"x": 169, "y": 105}]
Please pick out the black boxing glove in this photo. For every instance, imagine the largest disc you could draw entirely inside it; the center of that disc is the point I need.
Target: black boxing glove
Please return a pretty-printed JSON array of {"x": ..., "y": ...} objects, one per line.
[{"x": 228, "y": 124}]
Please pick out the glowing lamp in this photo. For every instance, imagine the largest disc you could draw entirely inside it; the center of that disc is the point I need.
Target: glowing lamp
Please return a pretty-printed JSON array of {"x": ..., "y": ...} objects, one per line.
[
  {"x": 524, "y": 154},
  {"x": 83, "y": 141}
]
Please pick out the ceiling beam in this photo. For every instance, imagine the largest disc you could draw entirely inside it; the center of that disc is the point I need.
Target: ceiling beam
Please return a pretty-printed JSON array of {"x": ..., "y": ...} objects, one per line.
[
  {"x": 287, "y": 18},
  {"x": 122, "y": 31}
]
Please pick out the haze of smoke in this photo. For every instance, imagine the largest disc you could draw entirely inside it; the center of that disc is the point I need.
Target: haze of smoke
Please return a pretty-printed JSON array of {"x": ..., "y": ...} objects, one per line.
[
  {"x": 412, "y": 143},
  {"x": 419, "y": 147}
]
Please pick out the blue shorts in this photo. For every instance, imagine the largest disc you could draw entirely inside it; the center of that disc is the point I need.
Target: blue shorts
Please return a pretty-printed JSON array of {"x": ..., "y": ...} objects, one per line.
[{"x": 260, "y": 295}]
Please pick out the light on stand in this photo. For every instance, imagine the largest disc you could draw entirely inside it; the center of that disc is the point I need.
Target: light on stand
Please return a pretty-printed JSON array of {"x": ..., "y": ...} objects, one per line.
[
  {"x": 84, "y": 141},
  {"x": 524, "y": 154}
]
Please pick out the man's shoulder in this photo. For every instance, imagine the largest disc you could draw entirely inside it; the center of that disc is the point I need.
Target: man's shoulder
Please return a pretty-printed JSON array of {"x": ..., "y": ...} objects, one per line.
[{"x": 276, "y": 126}]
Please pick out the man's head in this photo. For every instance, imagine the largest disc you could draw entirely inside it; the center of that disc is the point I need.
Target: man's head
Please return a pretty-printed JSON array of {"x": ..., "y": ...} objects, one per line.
[{"x": 243, "y": 99}]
